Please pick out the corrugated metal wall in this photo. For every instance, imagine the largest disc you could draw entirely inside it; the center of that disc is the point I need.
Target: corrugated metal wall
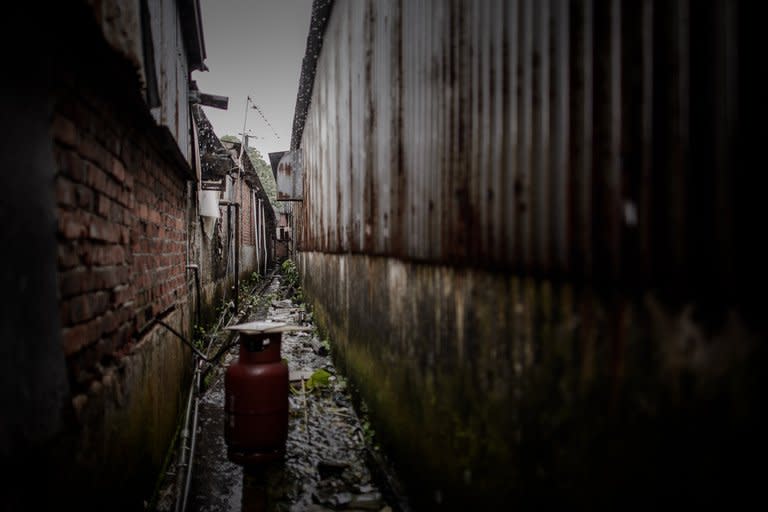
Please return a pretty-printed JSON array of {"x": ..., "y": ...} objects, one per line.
[{"x": 594, "y": 138}]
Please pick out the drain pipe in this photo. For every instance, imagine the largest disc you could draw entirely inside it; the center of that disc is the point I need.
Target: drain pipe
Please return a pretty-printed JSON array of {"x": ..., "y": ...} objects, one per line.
[
  {"x": 196, "y": 270},
  {"x": 186, "y": 457},
  {"x": 264, "y": 233},
  {"x": 237, "y": 258},
  {"x": 194, "y": 436},
  {"x": 184, "y": 474},
  {"x": 255, "y": 222},
  {"x": 236, "y": 205},
  {"x": 182, "y": 464}
]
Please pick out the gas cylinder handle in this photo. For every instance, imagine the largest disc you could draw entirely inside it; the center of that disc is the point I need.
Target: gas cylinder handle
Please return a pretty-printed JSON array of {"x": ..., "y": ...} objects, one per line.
[{"x": 255, "y": 344}]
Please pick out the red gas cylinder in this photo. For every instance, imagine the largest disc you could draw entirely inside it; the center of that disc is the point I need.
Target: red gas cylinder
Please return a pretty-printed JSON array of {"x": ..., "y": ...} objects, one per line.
[{"x": 256, "y": 396}]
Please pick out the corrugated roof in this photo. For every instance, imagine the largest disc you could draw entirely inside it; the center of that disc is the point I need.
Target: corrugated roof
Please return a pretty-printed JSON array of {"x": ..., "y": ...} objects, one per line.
[{"x": 215, "y": 160}]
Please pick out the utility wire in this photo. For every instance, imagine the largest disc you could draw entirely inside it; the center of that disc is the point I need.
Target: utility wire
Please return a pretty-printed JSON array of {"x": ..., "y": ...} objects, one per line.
[{"x": 265, "y": 120}]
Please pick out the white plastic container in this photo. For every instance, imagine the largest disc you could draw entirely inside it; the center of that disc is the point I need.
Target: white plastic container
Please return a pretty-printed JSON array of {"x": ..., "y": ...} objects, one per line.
[{"x": 209, "y": 203}]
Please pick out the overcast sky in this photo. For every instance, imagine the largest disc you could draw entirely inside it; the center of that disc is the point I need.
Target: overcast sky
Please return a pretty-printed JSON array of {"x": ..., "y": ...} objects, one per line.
[{"x": 254, "y": 48}]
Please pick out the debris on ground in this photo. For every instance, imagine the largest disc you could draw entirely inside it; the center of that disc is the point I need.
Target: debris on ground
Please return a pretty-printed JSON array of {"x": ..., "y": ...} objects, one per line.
[{"x": 328, "y": 452}]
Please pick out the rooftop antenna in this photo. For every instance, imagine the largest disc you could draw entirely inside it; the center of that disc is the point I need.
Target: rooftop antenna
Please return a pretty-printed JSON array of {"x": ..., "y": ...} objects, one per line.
[{"x": 245, "y": 137}]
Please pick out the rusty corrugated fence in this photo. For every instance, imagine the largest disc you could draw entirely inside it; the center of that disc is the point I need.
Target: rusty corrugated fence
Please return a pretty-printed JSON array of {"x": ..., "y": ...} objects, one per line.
[{"x": 592, "y": 138}]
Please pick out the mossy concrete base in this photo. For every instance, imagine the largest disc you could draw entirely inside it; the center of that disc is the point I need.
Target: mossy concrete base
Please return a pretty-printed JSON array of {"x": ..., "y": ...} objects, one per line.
[
  {"x": 213, "y": 296},
  {"x": 118, "y": 433},
  {"x": 489, "y": 389}
]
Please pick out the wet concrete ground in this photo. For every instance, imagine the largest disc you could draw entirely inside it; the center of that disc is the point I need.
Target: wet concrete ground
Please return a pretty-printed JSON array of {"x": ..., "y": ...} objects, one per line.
[{"x": 330, "y": 461}]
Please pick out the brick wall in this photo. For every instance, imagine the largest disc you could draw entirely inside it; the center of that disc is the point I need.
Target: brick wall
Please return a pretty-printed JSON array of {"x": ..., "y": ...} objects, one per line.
[
  {"x": 95, "y": 247},
  {"x": 121, "y": 233}
]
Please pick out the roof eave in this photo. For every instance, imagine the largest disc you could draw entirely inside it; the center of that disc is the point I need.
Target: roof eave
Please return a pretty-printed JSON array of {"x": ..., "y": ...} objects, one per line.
[{"x": 192, "y": 30}]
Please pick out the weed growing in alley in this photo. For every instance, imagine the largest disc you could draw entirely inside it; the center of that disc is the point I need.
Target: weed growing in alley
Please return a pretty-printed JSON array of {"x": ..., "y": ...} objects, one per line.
[
  {"x": 198, "y": 336},
  {"x": 248, "y": 284},
  {"x": 290, "y": 274}
]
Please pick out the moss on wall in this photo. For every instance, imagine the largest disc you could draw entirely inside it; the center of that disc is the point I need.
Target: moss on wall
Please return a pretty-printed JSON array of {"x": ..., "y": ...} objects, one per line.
[
  {"x": 120, "y": 430},
  {"x": 488, "y": 388}
]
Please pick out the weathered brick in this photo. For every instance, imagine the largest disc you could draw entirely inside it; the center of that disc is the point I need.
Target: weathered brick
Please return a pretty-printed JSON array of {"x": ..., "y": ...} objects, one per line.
[
  {"x": 95, "y": 177},
  {"x": 116, "y": 213},
  {"x": 74, "y": 338},
  {"x": 109, "y": 323},
  {"x": 142, "y": 262},
  {"x": 91, "y": 150},
  {"x": 112, "y": 188},
  {"x": 125, "y": 235},
  {"x": 68, "y": 256},
  {"x": 71, "y": 225},
  {"x": 64, "y": 312},
  {"x": 106, "y": 256},
  {"x": 64, "y": 131},
  {"x": 121, "y": 294},
  {"x": 69, "y": 164},
  {"x": 84, "y": 197},
  {"x": 79, "y": 309},
  {"x": 114, "y": 255},
  {"x": 88, "y": 306},
  {"x": 143, "y": 211},
  {"x": 124, "y": 198},
  {"x": 103, "y": 205},
  {"x": 94, "y": 256},
  {"x": 118, "y": 170},
  {"x": 75, "y": 282},
  {"x": 100, "y": 229},
  {"x": 142, "y": 297},
  {"x": 109, "y": 277},
  {"x": 100, "y": 302},
  {"x": 156, "y": 219},
  {"x": 79, "y": 336},
  {"x": 125, "y": 314},
  {"x": 116, "y": 144},
  {"x": 124, "y": 333},
  {"x": 65, "y": 192}
]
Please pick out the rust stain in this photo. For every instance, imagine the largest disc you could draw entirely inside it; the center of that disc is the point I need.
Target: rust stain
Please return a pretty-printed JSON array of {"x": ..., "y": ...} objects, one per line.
[{"x": 432, "y": 140}]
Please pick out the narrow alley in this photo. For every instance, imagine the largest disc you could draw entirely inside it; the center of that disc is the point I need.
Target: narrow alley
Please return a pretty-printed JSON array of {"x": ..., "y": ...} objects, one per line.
[
  {"x": 382, "y": 255},
  {"x": 332, "y": 460}
]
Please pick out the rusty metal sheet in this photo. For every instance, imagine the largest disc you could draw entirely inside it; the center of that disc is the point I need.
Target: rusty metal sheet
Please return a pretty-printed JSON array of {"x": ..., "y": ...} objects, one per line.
[
  {"x": 545, "y": 136},
  {"x": 289, "y": 177},
  {"x": 274, "y": 160}
]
